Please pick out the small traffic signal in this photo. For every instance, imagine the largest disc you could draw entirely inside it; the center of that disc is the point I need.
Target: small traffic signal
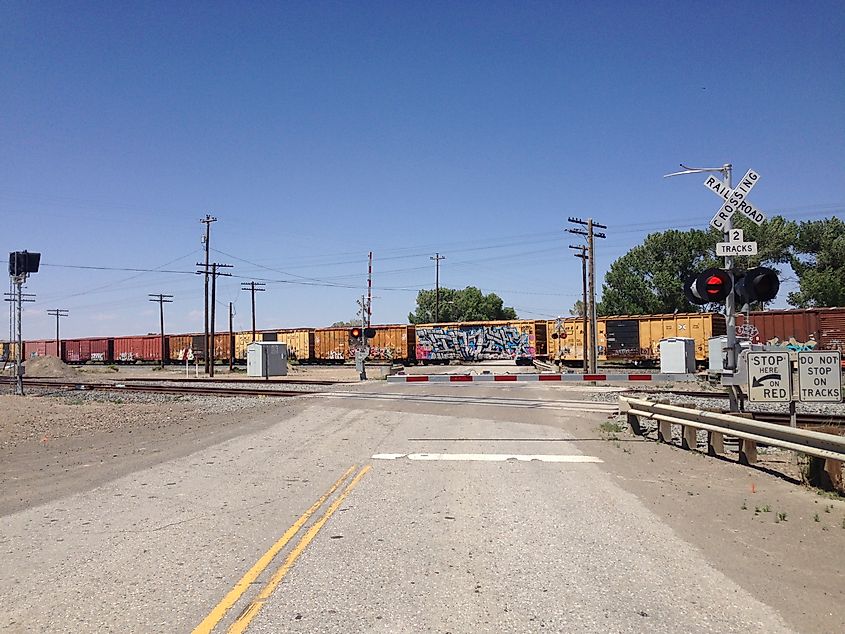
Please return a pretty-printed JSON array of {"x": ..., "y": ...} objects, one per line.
[
  {"x": 712, "y": 285},
  {"x": 369, "y": 333},
  {"x": 354, "y": 333},
  {"x": 23, "y": 262},
  {"x": 760, "y": 284}
]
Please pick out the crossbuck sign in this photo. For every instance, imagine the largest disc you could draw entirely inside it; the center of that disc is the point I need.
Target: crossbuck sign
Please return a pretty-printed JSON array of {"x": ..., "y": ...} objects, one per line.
[{"x": 736, "y": 199}]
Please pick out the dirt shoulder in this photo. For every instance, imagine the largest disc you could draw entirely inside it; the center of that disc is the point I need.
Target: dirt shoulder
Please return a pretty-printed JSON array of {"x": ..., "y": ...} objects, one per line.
[
  {"x": 53, "y": 446},
  {"x": 781, "y": 541}
]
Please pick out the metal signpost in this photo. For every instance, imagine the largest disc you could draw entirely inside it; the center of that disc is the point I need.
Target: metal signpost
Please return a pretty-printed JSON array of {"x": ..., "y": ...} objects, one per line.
[
  {"x": 769, "y": 377},
  {"x": 820, "y": 376}
]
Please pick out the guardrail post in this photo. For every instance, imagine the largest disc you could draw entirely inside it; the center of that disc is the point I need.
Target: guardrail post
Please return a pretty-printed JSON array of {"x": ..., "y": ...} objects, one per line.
[
  {"x": 747, "y": 452},
  {"x": 689, "y": 439},
  {"x": 634, "y": 423},
  {"x": 664, "y": 431},
  {"x": 715, "y": 443},
  {"x": 826, "y": 474}
]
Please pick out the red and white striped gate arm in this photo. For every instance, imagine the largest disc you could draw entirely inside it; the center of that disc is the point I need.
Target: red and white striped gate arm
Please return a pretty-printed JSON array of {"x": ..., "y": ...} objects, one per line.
[{"x": 512, "y": 378}]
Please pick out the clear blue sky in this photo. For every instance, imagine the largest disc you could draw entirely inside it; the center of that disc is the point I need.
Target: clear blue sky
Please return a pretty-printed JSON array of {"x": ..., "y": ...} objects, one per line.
[{"x": 317, "y": 132}]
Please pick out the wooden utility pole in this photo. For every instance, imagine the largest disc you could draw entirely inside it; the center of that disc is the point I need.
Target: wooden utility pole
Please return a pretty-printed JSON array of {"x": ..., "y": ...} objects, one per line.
[
  {"x": 437, "y": 257},
  {"x": 590, "y": 234},
  {"x": 582, "y": 253},
  {"x": 253, "y": 288},
  {"x": 161, "y": 299},
  {"x": 214, "y": 273},
  {"x": 207, "y": 242},
  {"x": 58, "y": 313},
  {"x": 231, "y": 341}
]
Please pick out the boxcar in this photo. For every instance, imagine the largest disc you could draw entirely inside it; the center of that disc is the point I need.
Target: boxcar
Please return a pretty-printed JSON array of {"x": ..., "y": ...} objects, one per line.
[
  {"x": 138, "y": 348},
  {"x": 40, "y": 348},
  {"x": 332, "y": 345},
  {"x": 520, "y": 340},
  {"x": 806, "y": 329},
  {"x": 632, "y": 338},
  {"x": 85, "y": 350},
  {"x": 300, "y": 342}
]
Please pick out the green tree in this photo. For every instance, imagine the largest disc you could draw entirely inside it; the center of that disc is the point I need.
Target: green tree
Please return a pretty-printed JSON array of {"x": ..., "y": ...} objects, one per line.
[
  {"x": 577, "y": 308},
  {"x": 648, "y": 279},
  {"x": 469, "y": 304},
  {"x": 819, "y": 262},
  {"x": 346, "y": 324}
]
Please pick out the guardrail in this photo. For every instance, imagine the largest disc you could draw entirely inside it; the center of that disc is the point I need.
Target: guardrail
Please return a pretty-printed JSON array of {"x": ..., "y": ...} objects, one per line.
[{"x": 826, "y": 451}]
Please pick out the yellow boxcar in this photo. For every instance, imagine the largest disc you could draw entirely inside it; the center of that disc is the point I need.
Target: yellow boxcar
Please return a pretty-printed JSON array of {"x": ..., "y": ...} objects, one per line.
[
  {"x": 300, "y": 342},
  {"x": 697, "y": 326},
  {"x": 568, "y": 345}
]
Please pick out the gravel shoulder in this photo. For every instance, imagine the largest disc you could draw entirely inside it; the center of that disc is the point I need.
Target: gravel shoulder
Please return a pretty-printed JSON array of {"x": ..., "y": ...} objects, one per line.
[{"x": 58, "y": 444}]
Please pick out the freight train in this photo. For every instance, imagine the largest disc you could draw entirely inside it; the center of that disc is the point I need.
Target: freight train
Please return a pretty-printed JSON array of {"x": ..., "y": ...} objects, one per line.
[{"x": 629, "y": 339}]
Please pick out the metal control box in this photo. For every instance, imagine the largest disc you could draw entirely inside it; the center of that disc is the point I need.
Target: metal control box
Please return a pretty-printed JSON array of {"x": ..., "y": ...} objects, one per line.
[
  {"x": 677, "y": 355},
  {"x": 266, "y": 359}
]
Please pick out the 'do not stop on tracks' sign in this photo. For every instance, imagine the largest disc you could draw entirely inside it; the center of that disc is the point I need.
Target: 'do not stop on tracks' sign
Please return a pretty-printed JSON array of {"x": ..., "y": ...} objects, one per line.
[{"x": 820, "y": 376}]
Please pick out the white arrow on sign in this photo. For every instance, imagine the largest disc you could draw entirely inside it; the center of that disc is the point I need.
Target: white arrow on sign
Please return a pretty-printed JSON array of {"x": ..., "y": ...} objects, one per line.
[{"x": 735, "y": 200}]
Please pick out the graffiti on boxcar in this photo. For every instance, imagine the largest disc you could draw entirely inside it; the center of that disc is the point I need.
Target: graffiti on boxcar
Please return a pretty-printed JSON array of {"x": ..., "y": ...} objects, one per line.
[
  {"x": 794, "y": 345},
  {"x": 385, "y": 353},
  {"x": 473, "y": 343},
  {"x": 126, "y": 356}
]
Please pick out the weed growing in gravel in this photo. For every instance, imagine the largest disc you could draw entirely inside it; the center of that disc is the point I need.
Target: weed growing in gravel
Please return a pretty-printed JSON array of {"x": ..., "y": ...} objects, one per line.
[
  {"x": 816, "y": 517},
  {"x": 611, "y": 427},
  {"x": 744, "y": 506},
  {"x": 756, "y": 510},
  {"x": 843, "y": 522},
  {"x": 827, "y": 508},
  {"x": 767, "y": 509},
  {"x": 782, "y": 517}
]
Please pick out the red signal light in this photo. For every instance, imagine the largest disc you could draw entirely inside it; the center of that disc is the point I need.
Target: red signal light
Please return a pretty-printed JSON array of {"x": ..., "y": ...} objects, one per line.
[
  {"x": 355, "y": 333},
  {"x": 713, "y": 286}
]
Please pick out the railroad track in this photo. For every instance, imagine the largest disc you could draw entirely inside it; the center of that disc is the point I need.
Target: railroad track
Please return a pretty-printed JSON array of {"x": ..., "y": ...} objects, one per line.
[
  {"x": 246, "y": 380},
  {"x": 160, "y": 389}
]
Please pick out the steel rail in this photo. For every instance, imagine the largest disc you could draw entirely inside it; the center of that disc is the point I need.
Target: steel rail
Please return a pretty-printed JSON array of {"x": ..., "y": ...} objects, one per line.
[{"x": 164, "y": 389}]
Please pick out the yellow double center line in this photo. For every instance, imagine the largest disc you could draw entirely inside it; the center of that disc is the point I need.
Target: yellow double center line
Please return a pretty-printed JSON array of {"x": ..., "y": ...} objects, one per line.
[{"x": 232, "y": 597}]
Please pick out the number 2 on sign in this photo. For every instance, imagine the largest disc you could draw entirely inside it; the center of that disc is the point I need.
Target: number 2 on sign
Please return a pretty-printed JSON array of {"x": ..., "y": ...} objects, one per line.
[{"x": 736, "y": 235}]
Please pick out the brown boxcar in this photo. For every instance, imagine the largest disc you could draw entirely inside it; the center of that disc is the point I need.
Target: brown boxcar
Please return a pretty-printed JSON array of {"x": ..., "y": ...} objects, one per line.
[
  {"x": 178, "y": 346},
  {"x": 300, "y": 342},
  {"x": 138, "y": 348},
  {"x": 805, "y": 329},
  {"x": 84, "y": 350},
  {"x": 40, "y": 348},
  {"x": 332, "y": 345},
  {"x": 568, "y": 345}
]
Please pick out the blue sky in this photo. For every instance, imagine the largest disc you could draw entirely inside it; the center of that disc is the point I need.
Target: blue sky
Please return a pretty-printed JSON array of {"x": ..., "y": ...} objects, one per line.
[{"x": 318, "y": 131}]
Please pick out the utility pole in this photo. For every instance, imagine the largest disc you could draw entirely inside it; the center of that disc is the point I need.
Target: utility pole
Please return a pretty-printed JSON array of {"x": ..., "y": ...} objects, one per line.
[
  {"x": 231, "y": 341},
  {"x": 58, "y": 313},
  {"x": 437, "y": 257},
  {"x": 207, "y": 242},
  {"x": 590, "y": 234},
  {"x": 214, "y": 273},
  {"x": 18, "y": 297},
  {"x": 370, "y": 290},
  {"x": 582, "y": 253},
  {"x": 162, "y": 300},
  {"x": 253, "y": 287}
]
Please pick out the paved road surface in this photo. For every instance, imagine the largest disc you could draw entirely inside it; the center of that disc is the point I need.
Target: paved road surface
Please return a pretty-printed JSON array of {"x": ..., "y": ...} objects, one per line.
[{"x": 424, "y": 516}]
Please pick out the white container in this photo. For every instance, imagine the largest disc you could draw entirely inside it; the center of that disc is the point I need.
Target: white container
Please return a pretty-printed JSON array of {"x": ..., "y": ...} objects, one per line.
[
  {"x": 266, "y": 359},
  {"x": 677, "y": 355}
]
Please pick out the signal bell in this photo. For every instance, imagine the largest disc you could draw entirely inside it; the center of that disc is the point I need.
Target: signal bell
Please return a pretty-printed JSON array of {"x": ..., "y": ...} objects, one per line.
[{"x": 712, "y": 285}]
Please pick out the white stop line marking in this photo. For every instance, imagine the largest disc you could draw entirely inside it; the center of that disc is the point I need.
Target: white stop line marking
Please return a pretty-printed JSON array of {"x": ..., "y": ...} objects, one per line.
[{"x": 486, "y": 457}]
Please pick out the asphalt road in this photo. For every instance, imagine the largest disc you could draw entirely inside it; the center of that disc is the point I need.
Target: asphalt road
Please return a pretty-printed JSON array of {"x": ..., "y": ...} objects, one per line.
[{"x": 392, "y": 509}]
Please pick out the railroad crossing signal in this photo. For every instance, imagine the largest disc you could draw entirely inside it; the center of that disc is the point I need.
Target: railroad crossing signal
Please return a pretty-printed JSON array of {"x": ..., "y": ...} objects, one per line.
[
  {"x": 712, "y": 285},
  {"x": 735, "y": 200},
  {"x": 760, "y": 284}
]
